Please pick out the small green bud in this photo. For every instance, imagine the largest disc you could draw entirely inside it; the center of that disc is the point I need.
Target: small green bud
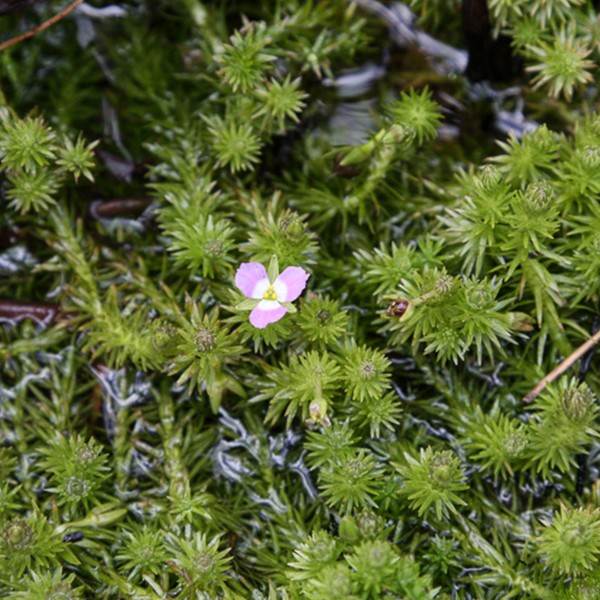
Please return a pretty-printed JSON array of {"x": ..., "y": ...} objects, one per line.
[
  {"x": 163, "y": 335},
  {"x": 479, "y": 296},
  {"x": 444, "y": 285},
  {"x": 514, "y": 443},
  {"x": 323, "y": 316},
  {"x": 589, "y": 156},
  {"x": 206, "y": 339},
  {"x": 204, "y": 562},
  {"x": 214, "y": 247},
  {"x": 577, "y": 402},
  {"x": 348, "y": 529},
  {"x": 367, "y": 370},
  {"x": 293, "y": 227},
  {"x": 17, "y": 534},
  {"x": 76, "y": 488},
  {"x": 358, "y": 154},
  {"x": 369, "y": 524},
  {"x": 442, "y": 469},
  {"x": 538, "y": 196},
  {"x": 489, "y": 176},
  {"x": 312, "y": 58},
  {"x": 86, "y": 454},
  {"x": 401, "y": 135}
]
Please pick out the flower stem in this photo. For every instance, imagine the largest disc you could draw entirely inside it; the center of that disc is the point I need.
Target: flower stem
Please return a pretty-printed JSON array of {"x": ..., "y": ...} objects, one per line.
[{"x": 44, "y": 25}]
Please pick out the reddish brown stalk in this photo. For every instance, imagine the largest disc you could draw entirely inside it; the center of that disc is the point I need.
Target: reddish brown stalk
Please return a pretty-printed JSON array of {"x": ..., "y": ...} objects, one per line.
[
  {"x": 120, "y": 207},
  {"x": 14, "y": 311},
  {"x": 44, "y": 25},
  {"x": 563, "y": 366}
]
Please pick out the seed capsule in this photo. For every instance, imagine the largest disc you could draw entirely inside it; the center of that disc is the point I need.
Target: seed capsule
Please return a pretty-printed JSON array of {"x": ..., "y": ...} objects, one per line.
[{"x": 398, "y": 307}]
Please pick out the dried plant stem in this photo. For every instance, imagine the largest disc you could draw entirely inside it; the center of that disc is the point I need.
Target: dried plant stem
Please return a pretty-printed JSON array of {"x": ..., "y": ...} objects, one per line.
[
  {"x": 15, "y": 311},
  {"x": 563, "y": 366},
  {"x": 118, "y": 207},
  {"x": 41, "y": 27}
]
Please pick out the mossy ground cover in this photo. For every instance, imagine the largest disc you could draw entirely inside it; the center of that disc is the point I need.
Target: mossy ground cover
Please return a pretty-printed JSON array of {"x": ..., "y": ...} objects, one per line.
[{"x": 420, "y": 227}]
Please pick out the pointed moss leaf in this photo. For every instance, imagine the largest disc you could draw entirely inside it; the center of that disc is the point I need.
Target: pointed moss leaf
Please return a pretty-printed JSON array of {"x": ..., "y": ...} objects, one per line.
[
  {"x": 248, "y": 304},
  {"x": 273, "y": 271},
  {"x": 291, "y": 308}
]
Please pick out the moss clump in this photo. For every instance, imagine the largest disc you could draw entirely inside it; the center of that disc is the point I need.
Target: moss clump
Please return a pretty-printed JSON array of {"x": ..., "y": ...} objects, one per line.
[{"x": 372, "y": 441}]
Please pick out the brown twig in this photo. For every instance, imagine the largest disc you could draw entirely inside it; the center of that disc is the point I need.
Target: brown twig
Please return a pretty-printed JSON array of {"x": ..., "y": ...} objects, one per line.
[
  {"x": 119, "y": 207},
  {"x": 15, "y": 311},
  {"x": 41, "y": 27},
  {"x": 563, "y": 366}
]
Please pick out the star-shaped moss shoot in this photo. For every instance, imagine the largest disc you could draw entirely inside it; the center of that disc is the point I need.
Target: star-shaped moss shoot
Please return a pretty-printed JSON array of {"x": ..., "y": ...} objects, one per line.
[{"x": 269, "y": 294}]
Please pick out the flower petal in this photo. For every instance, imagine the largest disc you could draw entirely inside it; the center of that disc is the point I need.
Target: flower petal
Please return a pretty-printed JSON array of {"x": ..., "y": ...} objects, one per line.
[
  {"x": 294, "y": 279},
  {"x": 249, "y": 276},
  {"x": 268, "y": 311}
]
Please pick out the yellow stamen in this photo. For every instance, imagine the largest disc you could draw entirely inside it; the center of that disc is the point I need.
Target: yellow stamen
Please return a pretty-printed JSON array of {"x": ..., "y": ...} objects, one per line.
[{"x": 270, "y": 294}]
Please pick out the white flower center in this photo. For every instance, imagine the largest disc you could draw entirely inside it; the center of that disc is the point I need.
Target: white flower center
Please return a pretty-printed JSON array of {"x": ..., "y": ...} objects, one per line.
[{"x": 271, "y": 292}]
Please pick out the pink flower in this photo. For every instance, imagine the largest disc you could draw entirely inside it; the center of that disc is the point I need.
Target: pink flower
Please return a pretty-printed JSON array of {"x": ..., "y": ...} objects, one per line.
[{"x": 270, "y": 294}]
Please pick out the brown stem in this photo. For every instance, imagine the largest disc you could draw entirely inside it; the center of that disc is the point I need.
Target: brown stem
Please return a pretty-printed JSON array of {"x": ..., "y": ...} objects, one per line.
[
  {"x": 41, "y": 27},
  {"x": 107, "y": 209},
  {"x": 15, "y": 311},
  {"x": 563, "y": 366}
]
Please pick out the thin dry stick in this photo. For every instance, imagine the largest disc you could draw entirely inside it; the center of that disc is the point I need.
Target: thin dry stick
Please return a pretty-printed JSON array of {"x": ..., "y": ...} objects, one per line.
[
  {"x": 41, "y": 27},
  {"x": 15, "y": 311},
  {"x": 563, "y": 366}
]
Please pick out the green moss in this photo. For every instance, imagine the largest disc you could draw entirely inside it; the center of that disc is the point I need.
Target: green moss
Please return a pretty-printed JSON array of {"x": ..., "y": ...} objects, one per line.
[{"x": 374, "y": 441}]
